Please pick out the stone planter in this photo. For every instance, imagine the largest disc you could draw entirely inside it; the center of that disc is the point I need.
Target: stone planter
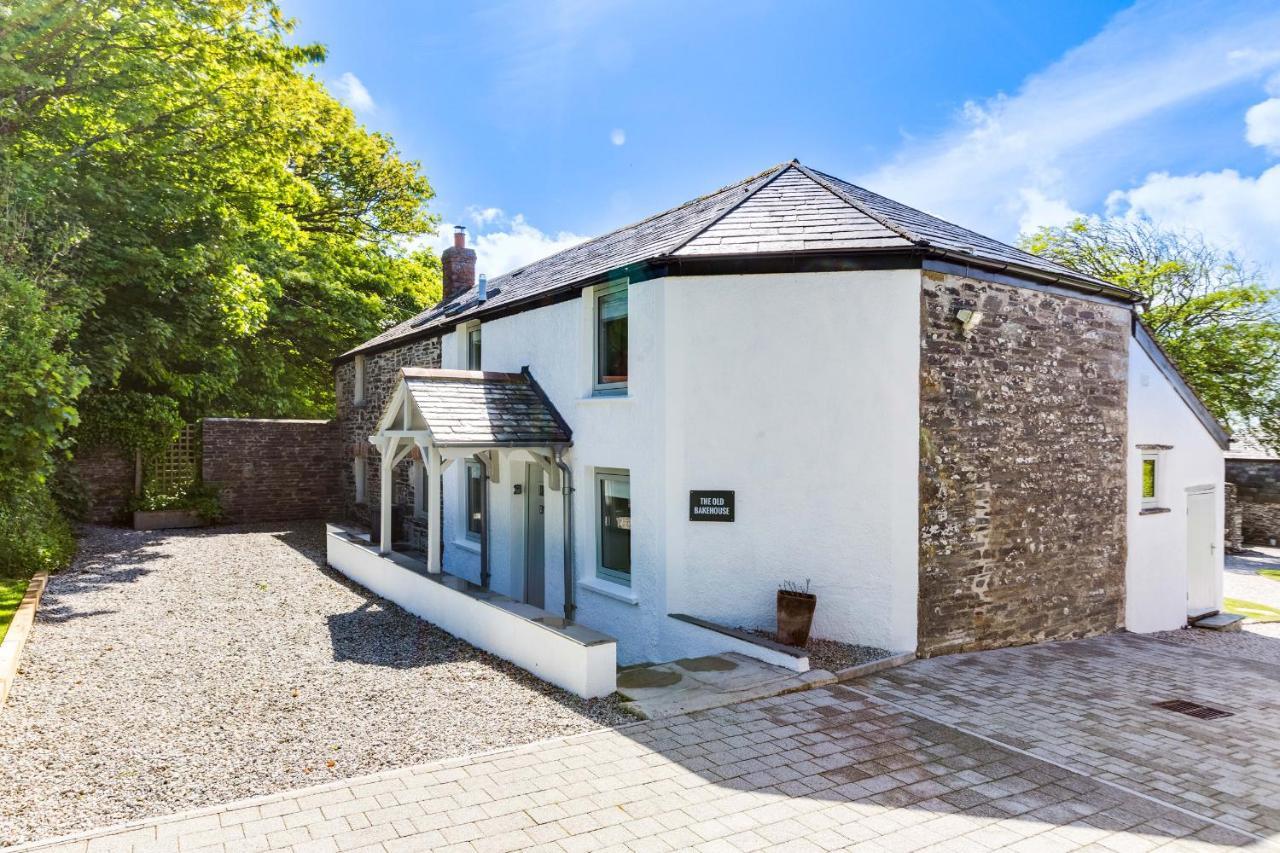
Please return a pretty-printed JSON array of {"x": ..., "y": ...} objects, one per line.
[
  {"x": 795, "y": 617},
  {"x": 166, "y": 519}
]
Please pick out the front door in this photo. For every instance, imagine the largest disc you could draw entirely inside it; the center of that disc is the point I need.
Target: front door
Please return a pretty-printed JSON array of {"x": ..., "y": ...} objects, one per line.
[
  {"x": 1202, "y": 552},
  {"x": 534, "y": 536}
]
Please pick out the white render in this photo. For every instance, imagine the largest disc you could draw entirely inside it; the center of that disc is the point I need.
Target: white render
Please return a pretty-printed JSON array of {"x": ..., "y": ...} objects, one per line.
[
  {"x": 1157, "y": 571},
  {"x": 838, "y": 507},
  {"x": 589, "y": 671}
]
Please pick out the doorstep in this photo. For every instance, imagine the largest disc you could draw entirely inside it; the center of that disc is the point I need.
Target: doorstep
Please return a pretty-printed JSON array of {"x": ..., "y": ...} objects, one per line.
[{"x": 698, "y": 684}]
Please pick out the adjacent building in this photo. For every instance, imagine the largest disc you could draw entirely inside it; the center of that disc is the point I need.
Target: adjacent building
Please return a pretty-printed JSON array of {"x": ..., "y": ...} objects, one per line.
[{"x": 957, "y": 444}]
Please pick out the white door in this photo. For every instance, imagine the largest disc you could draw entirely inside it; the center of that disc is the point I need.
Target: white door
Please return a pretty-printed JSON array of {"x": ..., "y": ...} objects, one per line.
[
  {"x": 1202, "y": 552},
  {"x": 534, "y": 537}
]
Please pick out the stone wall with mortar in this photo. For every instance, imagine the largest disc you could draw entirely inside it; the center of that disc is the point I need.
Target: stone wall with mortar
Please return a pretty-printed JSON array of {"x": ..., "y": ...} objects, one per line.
[
  {"x": 1022, "y": 466},
  {"x": 356, "y": 421},
  {"x": 1257, "y": 483},
  {"x": 272, "y": 470},
  {"x": 1233, "y": 517}
]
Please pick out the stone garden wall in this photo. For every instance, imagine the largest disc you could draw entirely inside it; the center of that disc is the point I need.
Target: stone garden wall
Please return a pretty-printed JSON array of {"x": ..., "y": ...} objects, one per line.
[
  {"x": 1022, "y": 466},
  {"x": 272, "y": 470},
  {"x": 1257, "y": 485}
]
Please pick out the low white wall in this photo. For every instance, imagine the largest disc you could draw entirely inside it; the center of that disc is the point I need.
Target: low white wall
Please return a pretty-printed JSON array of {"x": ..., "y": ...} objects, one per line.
[
  {"x": 590, "y": 671},
  {"x": 1156, "y": 571}
]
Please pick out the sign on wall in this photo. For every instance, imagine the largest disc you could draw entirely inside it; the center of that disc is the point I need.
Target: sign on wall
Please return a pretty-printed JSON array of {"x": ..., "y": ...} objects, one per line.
[{"x": 711, "y": 506}]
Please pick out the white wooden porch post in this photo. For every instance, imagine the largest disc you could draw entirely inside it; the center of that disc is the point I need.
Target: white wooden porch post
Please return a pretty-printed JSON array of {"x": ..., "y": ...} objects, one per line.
[
  {"x": 387, "y": 457},
  {"x": 433, "y": 510}
]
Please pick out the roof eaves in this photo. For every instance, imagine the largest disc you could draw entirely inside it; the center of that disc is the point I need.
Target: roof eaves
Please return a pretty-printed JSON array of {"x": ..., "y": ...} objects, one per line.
[{"x": 1166, "y": 365}]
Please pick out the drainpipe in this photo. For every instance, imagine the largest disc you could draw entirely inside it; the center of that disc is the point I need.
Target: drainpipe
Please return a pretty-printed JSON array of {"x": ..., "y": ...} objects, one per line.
[
  {"x": 483, "y": 461},
  {"x": 566, "y": 488}
]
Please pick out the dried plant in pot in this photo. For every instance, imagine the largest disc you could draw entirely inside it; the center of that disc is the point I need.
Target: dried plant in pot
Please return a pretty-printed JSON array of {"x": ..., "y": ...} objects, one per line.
[{"x": 795, "y": 613}]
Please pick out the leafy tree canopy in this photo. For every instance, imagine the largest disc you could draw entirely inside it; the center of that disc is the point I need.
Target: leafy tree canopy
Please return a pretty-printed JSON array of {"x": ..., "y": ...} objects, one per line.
[
  {"x": 1213, "y": 313},
  {"x": 232, "y": 225}
]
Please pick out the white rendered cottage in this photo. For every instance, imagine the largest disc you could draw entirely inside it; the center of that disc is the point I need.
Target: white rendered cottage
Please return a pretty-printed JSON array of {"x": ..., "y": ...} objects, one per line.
[{"x": 960, "y": 445}]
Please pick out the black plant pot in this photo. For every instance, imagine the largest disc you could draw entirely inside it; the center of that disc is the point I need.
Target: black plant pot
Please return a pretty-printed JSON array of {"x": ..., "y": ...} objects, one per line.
[{"x": 795, "y": 616}]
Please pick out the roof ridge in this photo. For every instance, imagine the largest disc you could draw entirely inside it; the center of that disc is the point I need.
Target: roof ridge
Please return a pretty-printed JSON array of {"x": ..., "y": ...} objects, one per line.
[
  {"x": 820, "y": 179},
  {"x": 779, "y": 170}
]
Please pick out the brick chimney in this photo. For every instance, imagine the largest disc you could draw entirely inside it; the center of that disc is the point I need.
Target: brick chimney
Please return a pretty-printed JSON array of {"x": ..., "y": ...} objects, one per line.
[{"x": 458, "y": 264}]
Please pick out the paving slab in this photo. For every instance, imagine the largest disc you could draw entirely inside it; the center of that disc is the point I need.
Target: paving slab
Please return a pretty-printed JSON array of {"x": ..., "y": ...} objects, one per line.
[
  {"x": 824, "y": 769},
  {"x": 699, "y": 684}
]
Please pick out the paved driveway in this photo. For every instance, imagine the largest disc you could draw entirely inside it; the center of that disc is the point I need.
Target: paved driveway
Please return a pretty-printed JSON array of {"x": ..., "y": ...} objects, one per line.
[
  {"x": 1088, "y": 705},
  {"x": 828, "y": 769}
]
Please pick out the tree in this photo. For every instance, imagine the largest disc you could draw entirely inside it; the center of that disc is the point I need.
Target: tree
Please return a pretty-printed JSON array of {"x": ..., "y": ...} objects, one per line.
[{"x": 1210, "y": 311}]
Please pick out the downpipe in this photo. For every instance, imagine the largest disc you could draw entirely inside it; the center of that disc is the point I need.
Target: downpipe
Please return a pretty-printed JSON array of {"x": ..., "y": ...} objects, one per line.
[{"x": 566, "y": 488}]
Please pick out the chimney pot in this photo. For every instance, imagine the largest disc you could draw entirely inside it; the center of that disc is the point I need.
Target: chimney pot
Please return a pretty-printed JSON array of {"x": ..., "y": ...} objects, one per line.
[
  {"x": 482, "y": 288},
  {"x": 460, "y": 236}
]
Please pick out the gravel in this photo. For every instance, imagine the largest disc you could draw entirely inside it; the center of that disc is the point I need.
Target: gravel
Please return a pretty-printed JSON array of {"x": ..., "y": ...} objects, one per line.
[
  {"x": 831, "y": 655},
  {"x": 179, "y": 669},
  {"x": 1257, "y": 642}
]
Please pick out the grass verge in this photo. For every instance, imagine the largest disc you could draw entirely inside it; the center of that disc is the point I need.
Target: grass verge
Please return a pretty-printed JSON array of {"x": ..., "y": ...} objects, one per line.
[
  {"x": 11, "y": 592},
  {"x": 1251, "y": 610}
]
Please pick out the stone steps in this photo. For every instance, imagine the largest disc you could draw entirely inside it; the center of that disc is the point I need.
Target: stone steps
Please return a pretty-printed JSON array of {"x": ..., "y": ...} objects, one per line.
[{"x": 1218, "y": 621}]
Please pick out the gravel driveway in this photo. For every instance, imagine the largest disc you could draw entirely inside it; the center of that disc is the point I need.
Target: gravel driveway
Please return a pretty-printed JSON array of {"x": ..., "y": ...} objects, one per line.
[{"x": 179, "y": 669}]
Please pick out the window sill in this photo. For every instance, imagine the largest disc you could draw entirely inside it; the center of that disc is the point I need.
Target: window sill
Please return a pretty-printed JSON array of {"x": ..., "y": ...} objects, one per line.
[
  {"x": 1154, "y": 510},
  {"x": 616, "y": 591},
  {"x": 606, "y": 397},
  {"x": 468, "y": 545}
]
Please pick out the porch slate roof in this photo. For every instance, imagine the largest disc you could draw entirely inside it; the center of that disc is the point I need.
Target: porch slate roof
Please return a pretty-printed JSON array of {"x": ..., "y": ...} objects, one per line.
[
  {"x": 787, "y": 209},
  {"x": 473, "y": 408}
]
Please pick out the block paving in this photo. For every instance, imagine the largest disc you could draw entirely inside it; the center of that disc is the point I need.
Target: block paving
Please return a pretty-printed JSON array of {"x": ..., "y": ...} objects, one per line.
[
  {"x": 1088, "y": 706},
  {"x": 827, "y": 769}
]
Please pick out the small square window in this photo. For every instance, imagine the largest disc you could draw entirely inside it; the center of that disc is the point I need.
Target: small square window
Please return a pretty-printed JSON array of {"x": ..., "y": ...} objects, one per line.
[
  {"x": 613, "y": 527},
  {"x": 611, "y": 338},
  {"x": 473, "y": 347},
  {"x": 474, "y": 500}
]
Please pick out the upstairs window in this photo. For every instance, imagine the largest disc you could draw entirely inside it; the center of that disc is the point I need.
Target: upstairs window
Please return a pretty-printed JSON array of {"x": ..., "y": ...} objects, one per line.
[
  {"x": 357, "y": 395},
  {"x": 611, "y": 339},
  {"x": 613, "y": 531},
  {"x": 473, "y": 347}
]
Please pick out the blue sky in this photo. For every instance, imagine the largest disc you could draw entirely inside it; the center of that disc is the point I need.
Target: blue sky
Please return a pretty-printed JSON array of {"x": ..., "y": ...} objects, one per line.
[{"x": 540, "y": 123}]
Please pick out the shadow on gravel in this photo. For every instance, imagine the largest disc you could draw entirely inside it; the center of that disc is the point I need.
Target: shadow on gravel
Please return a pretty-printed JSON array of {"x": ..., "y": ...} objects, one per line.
[{"x": 91, "y": 571}]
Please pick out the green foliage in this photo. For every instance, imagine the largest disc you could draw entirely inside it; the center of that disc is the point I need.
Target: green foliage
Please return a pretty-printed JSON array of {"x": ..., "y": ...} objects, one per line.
[
  {"x": 1211, "y": 312},
  {"x": 33, "y": 534},
  {"x": 129, "y": 421},
  {"x": 197, "y": 497}
]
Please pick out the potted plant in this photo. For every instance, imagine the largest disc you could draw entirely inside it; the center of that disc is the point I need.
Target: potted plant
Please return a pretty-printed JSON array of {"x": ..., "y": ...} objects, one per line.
[{"x": 795, "y": 613}]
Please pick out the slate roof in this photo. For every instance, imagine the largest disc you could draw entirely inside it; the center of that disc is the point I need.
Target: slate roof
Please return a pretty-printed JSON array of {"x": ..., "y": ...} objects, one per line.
[
  {"x": 474, "y": 408},
  {"x": 1249, "y": 446},
  {"x": 787, "y": 209}
]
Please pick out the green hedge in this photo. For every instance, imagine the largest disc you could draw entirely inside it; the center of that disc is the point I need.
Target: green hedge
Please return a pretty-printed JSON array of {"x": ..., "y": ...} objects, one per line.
[{"x": 34, "y": 535}]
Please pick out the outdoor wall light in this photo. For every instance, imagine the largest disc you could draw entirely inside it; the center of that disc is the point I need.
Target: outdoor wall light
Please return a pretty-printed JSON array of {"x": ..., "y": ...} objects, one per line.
[{"x": 969, "y": 321}]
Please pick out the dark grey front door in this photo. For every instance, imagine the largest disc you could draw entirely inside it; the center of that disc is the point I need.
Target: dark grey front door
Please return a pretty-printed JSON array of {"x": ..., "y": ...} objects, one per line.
[{"x": 534, "y": 537}]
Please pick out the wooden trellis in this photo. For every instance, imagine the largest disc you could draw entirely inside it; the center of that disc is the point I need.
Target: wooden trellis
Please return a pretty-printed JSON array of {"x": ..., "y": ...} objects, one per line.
[{"x": 177, "y": 466}]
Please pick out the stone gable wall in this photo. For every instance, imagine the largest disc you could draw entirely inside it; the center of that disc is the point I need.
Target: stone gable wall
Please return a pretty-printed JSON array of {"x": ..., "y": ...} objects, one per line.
[
  {"x": 272, "y": 470},
  {"x": 1257, "y": 485},
  {"x": 357, "y": 422},
  {"x": 1022, "y": 466}
]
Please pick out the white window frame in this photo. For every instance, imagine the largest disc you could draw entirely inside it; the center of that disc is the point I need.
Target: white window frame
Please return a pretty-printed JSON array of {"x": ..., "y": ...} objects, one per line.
[
  {"x": 467, "y": 332},
  {"x": 602, "y": 574},
  {"x": 357, "y": 386},
  {"x": 600, "y": 293},
  {"x": 468, "y": 466},
  {"x": 1156, "y": 458},
  {"x": 360, "y": 470}
]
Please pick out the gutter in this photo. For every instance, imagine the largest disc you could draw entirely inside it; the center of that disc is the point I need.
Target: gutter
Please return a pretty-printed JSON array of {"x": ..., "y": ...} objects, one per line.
[{"x": 483, "y": 462}]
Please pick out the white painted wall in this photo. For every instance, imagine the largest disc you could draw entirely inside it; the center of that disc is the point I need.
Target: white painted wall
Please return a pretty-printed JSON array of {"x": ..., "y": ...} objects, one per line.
[
  {"x": 589, "y": 671},
  {"x": 1156, "y": 571},
  {"x": 797, "y": 391}
]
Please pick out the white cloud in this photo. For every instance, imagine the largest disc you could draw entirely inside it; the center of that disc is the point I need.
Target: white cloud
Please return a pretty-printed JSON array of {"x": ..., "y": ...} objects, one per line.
[
  {"x": 504, "y": 243},
  {"x": 353, "y": 93},
  {"x": 1262, "y": 125},
  {"x": 1003, "y": 163},
  {"x": 618, "y": 136},
  {"x": 1229, "y": 209}
]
